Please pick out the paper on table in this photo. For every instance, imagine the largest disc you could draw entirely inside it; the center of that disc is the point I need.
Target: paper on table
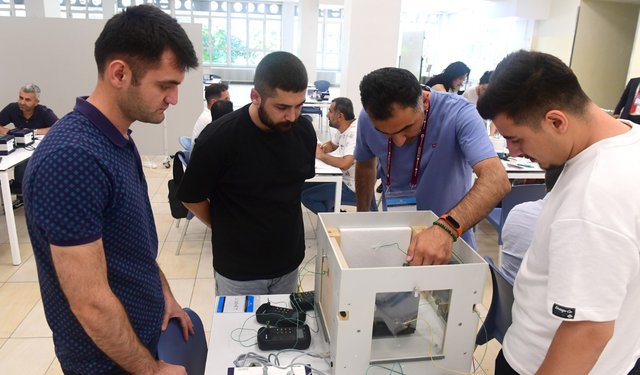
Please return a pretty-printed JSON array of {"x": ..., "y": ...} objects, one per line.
[{"x": 324, "y": 168}]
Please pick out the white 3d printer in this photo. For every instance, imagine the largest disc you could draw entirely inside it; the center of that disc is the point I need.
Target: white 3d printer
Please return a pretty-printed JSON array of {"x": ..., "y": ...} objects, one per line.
[{"x": 375, "y": 311}]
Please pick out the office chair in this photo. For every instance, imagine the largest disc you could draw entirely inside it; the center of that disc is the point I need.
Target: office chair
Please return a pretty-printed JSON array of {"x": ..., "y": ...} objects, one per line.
[
  {"x": 372, "y": 208},
  {"x": 185, "y": 142},
  {"x": 191, "y": 354},
  {"x": 517, "y": 195},
  {"x": 322, "y": 86},
  {"x": 216, "y": 76},
  {"x": 498, "y": 318}
]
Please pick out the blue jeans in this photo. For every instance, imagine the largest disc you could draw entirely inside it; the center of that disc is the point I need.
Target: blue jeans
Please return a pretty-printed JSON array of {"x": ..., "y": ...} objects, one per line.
[
  {"x": 315, "y": 194},
  {"x": 281, "y": 285}
]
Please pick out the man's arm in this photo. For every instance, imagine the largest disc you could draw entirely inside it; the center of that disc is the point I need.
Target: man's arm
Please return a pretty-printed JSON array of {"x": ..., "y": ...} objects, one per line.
[
  {"x": 433, "y": 245},
  {"x": 329, "y": 147},
  {"x": 82, "y": 273},
  {"x": 201, "y": 210},
  {"x": 576, "y": 347},
  {"x": 365, "y": 182},
  {"x": 172, "y": 309},
  {"x": 343, "y": 163}
]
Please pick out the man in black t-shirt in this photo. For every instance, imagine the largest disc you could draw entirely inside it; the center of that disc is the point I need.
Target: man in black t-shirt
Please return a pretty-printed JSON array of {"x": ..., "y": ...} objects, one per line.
[{"x": 244, "y": 180}]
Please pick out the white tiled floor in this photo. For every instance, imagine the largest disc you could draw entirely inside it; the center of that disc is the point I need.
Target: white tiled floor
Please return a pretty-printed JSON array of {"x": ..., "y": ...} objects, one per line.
[{"x": 26, "y": 346}]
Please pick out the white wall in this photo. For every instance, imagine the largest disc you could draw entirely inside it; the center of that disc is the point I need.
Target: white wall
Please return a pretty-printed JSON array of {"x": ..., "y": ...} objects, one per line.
[
  {"x": 370, "y": 36},
  {"x": 62, "y": 65},
  {"x": 555, "y": 34},
  {"x": 602, "y": 49}
]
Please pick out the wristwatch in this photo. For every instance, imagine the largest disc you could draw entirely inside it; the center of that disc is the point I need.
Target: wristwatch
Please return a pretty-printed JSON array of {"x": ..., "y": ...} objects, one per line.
[{"x": 451, "y": 221}]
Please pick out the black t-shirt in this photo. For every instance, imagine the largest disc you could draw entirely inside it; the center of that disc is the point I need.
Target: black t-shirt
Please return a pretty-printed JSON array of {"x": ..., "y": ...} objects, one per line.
[{"x": 253, "y": 180}]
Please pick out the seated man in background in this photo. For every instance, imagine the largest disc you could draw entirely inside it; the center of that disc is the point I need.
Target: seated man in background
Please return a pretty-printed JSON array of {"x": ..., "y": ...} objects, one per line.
[
  {"x": 340, "y": 117},
  {"x": 214, "y": 92},
  {"x": 218, "y": 109},
  {"x": 244, "y": 181},
  {"x": 26, "y": 113},
  {"x": 517, "y": 231}
]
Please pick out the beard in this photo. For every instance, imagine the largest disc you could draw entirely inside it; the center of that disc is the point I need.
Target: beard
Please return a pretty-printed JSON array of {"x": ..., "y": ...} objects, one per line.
[
  {"x": 133, "y": 107},
  {"x": 279, "y": 127}
]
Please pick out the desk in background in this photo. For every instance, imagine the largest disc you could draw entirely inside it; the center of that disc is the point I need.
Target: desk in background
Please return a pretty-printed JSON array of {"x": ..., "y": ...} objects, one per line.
[
  {"x": 8, "y": 162},
  {"x": 224, "y": 349},
  {"x": 328, "y": 173}
]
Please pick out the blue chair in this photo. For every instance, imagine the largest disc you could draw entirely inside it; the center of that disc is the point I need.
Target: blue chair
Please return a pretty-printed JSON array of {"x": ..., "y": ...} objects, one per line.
[
  {"x": 498, "y": 318},
  {"x": 372, "y": 208},
  {"x": 517, "y": 195},
  {"x": 185, "y": 142},
  {"x": 322, "y": 86},
  {"x": 192, "y": 354},
  {"x": 216, "y": 76}
]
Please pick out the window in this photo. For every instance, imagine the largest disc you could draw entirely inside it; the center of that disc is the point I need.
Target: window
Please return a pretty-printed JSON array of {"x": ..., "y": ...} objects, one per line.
[
  {"x": 12, "y": 8},
  {"x": 234, "y": 33},
  {"x": 329, "y": 38},
  {"x": 84, "y": 9}
]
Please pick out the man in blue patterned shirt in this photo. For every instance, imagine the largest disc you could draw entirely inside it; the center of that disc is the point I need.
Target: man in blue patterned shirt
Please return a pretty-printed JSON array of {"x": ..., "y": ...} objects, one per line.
[{"x": 88, "y": 209}]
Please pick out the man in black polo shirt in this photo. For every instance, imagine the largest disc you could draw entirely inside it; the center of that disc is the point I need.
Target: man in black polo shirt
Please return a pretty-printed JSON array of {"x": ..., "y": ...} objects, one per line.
[
  {"x": 245, "y": 178},
  {"x": 26, "y": 113}
]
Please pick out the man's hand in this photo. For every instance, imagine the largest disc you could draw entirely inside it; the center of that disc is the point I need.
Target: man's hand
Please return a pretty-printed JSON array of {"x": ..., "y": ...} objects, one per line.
[
  {"x": 431, "y": 246},
  {"x": 169, "y": 369},
  {"x": 319, "y": 151},
  {"x": 3, "y": 130},
  {"x": 173, "y": 310},
  {"x": 616, "y": 116}
]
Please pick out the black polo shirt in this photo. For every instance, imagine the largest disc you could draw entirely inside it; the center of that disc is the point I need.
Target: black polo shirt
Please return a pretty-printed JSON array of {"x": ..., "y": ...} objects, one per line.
[{"x": 42, "y": 117}]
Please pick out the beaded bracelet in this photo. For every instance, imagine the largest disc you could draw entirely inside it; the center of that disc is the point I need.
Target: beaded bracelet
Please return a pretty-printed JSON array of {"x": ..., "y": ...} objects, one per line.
[{"x": 447, "y": 229}]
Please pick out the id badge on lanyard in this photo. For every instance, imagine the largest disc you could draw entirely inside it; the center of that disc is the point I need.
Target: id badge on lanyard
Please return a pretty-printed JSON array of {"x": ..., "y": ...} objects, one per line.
[{"x": 405, "y": 200}]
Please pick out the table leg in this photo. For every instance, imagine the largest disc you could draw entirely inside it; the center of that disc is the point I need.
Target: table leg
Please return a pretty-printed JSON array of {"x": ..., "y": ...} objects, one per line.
[
  {"x": 11, "y": 220},
  {"x": 338, "y": 198}
]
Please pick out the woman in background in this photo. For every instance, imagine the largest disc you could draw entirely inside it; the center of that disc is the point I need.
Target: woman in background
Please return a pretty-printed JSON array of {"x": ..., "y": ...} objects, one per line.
[
  {"x": 451, "y": 78},
  {"x": 474, "y": 93}
]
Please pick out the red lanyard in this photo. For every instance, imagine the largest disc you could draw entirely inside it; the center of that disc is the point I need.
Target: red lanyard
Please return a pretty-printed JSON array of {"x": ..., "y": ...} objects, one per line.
[{"x": 416, "y": 163}]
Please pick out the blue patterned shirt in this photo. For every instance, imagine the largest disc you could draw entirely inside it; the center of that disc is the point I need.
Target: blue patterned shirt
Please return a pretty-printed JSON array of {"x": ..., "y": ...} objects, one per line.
[{"x": 83, "y": 183}]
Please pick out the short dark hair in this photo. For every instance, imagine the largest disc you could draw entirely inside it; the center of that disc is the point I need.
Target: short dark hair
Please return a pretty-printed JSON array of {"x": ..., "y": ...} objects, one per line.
[
  {"x": 344, "y": 106},
  {"x": 280, "y": 70},
  {"x": 220, "y": 108},
  {"x": 139, "y": 36},
  {"x": 485, "y": 77},
  {"x": 214, "y": 91},
  {"x": 526, "y": 85},
  {"x": 385, "y": 88},
  {"x": 551, "y": 176},
  {"x": 453, "y": 71}
]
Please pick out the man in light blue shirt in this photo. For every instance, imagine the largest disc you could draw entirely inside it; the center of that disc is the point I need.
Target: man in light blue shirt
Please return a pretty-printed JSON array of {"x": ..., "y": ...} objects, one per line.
[
  {"x": 517, "y": 232},
  {"x": 396, "y": 112}
]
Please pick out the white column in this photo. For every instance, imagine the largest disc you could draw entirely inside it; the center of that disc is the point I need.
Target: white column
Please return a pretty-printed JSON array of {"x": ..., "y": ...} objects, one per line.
[
  {"x": 42, "y": 8},
  {"x": 308, "y": 21},
  {"x": 370, "y": 36},
  {"x": 288, "y": 15},
  {"x": 108, "y": 8}
]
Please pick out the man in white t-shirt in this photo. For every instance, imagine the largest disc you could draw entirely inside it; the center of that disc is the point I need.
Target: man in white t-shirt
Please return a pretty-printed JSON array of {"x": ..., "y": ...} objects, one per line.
[
  {"x": 214, "y": 92},
  {"x": 577, "y": 294},
  {"x": 338, "y": 152}
]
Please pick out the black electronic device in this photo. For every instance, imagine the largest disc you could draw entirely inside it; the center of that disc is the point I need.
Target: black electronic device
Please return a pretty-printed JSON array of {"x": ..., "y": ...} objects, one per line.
[
  {"x": 278, "y": 338},
  {"x": 303, "y": 302},
  {"x": 279, "y": 316}
]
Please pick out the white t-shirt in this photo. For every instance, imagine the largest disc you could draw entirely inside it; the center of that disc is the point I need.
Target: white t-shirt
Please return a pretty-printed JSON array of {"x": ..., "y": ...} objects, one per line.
[
  {"x": 203, "y": 121},
  {"x": 346, "y": 143},
  {"x": 584, "y": 261},
  {"x": 471, "y": 94},
  {"x": 517, "y": 234}
]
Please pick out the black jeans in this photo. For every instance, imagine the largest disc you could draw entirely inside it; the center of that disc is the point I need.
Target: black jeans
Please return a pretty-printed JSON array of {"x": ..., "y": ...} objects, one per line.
[{"x": 503, "y": 368}]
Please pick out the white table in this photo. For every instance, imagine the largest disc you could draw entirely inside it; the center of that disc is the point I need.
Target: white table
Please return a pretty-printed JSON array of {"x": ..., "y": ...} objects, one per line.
[
  {"x": 223, "y": 350},
  {"x": 521, "y": 168},
  {"x": 327, "y": 173},
  {"x": 8, "y": 162},
  {"x": 323, "y": 105}
]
